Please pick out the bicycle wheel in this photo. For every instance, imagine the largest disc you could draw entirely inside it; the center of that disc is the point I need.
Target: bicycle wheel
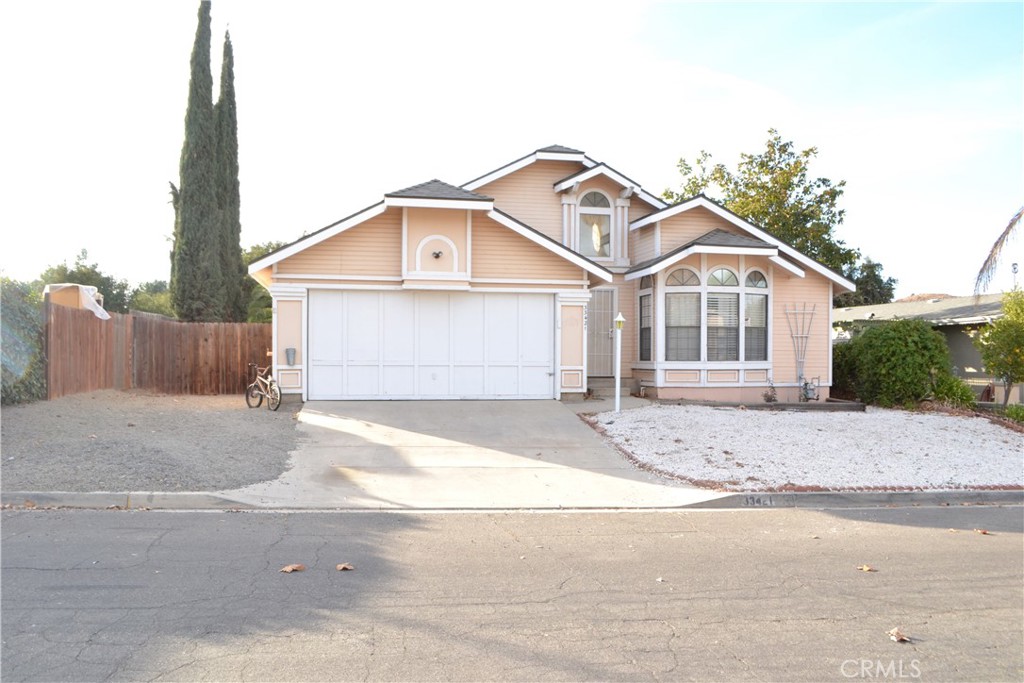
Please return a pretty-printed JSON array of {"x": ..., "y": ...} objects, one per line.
[
  {"x": 253, "y": 395},
  {"x": 273, "y": 396}
]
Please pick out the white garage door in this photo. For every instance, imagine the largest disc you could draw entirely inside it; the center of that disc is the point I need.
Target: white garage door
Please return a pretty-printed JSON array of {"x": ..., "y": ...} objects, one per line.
[{"x": 430, "y": 345}]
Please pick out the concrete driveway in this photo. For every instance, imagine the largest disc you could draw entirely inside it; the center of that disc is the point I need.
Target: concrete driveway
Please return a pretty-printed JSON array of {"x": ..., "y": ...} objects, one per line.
[{"x": 457, "y": 455}]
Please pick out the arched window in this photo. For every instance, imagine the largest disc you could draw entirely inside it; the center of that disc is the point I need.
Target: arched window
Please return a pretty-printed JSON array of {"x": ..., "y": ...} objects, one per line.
[
  {"x": 723, "y": 277},
  {"x": 757, "y": 280},
  {"x": 682, "y": 315},
  {"x": 646, "y": 317},
  {"x": 595, "y": 232},
  {"x": 723, "y": 316}
]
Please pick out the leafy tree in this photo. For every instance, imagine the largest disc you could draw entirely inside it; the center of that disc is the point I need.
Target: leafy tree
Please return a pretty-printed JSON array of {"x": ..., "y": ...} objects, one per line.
[
  {"x": 988, "y": 268},
  {"x": 259, "y": 302},
  {"x": 152, "y": 297},
  {"x": 228, "y": 196},
  {"x": 114, "y": 291},
  {"x": 197, "y": 282},
  {"x": 1001, "y": 343},
  {"x": 772, "y": 189},
  {"x": 872, "y": 288}
]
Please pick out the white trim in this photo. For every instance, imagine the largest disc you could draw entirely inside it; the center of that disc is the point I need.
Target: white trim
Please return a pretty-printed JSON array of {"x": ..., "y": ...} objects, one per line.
[
  {"x": 831, "y": 342},
  {"x": 424, "y": 203},
  {"x": 786, "y": 265},
  {"x": 446, "y": 240},
  {"x": 440, "y": 276},
  {"x": 523, "y": 163},
  {"x": 435, "y": 287},
  {"x": 469, "y": 244},
  {"x": 714, "y": 208},
  {"x": 405, "y": 243},
  {"x": 698, "y": 249},
  {"x": 358, "y": 278},
  {"x": 516, "y": 281},
  {"x": 554, "y": 247},
  {"x": 318, "y": 237}
]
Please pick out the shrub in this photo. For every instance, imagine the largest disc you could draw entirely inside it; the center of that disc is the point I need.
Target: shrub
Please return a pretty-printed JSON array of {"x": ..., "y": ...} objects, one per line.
[
  {"x": 896, "y": 363},
  {"x": 1015, "y": 412},
  {"x": 23, "y": 370},
  {"x": 954, "y": 392},
  {"x": 843, "y": 370}
]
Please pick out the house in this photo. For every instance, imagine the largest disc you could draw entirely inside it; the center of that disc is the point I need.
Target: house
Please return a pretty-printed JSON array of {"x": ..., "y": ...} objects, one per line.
[
  {"x": 954, "y": 317},
  {"x": 507, "y": 286}
]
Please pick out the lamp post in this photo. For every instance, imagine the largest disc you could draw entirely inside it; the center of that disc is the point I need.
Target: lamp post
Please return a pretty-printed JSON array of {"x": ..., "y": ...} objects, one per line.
[{"x": 619, "y": 322}]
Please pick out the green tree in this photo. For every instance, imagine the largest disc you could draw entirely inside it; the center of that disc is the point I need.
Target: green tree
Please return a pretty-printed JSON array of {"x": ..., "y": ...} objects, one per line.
[
  {"x": 23, "y": 370},
  {"x": 152, "y": 297},
  {"x": 228, "y": 196},
  {"x": 872, "y": 287},
  {"x": 197, "y": 282},
  {"x": 1001, "y": 343},
  {"x": 897, "y": 362},
  {"x": 258, "y": 301},
  {"x": 773, "y": 190},
  {"x": 115, "y": 292}
]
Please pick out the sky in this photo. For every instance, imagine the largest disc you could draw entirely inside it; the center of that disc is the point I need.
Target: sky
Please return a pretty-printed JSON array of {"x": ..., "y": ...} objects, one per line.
[{"x": 919, "y": 107}]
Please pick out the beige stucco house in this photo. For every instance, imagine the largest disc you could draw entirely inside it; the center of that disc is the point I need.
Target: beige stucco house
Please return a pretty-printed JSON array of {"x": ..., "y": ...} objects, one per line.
[{"x": 507, "y": 287}]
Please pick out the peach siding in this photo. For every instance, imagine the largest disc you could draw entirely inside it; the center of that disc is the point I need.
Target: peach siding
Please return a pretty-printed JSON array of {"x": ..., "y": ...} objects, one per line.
[
  {"x": 572, "y": 336},
  {"x": 727, "y": 394},
  {"x": 641, "y": 245},
  {"x": 609, "y": 186},
  {"x": 289, "y": 330},
  {"x": 794, "y": 291},
  {"x": 498, "y": 252},
  {"x": 372, "y": 248},
  {"x": 423, "y": 223},
  {"x": 689, "y": 225},
  {"x": 529, "y": 195}
]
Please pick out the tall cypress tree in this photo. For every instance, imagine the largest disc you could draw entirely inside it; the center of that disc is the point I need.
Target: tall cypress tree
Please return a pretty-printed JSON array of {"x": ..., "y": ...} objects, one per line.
[
  {"x": 197, "y": 290},
  {"x": 228, "y": 197}
]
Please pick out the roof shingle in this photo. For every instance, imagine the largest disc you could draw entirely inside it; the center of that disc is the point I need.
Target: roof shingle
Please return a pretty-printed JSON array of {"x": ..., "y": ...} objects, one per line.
[{"x": 437, "y": 189}]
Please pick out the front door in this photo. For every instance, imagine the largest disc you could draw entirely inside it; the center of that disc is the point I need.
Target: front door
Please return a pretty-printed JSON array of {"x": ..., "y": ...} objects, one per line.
[{"x": 601, "y": 333}]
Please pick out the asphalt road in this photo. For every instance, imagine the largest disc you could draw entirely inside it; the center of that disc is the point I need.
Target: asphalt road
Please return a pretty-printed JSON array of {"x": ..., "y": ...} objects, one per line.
[{"x": 768, "y": 595}]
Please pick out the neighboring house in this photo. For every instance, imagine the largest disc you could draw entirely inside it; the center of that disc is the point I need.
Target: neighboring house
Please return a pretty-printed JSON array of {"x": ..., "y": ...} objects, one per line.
[
  {"x": 953, "y": 316},
  {"x": 507, "y": 287}
]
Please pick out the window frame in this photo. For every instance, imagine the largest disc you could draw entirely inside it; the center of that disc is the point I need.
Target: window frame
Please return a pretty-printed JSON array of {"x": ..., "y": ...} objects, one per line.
[{"x": 608, "y": 211}]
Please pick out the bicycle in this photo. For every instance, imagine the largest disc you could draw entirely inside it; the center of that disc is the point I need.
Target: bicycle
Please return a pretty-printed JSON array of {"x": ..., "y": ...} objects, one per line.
[{"x": 263, "y": 386}]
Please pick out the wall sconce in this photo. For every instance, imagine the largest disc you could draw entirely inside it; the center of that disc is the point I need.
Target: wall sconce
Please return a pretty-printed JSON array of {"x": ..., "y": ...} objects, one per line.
[{"x": 437, "y": 254}]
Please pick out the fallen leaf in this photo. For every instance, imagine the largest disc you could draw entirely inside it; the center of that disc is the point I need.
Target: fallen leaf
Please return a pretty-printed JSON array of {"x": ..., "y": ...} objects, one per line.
[
  {"x": 344, "y": 567},
  {"x": 983, "y": 532},
  {"x": 815, "y": 537},
  {"x": 867, "y": 568},
  {"x": 660, "y": 580},
  {"x": 30, "y": 504},
  {"x": 898, "y": 636},
  {"x": 288, "y": 569},
  {"x": 953, "y": 531}
]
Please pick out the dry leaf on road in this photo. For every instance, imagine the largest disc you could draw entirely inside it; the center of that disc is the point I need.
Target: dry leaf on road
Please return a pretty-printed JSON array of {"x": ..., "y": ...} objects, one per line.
[
  {"x": 288, "y": 569},
  {"x": 983, "y": 532},
  {"x": 898, "y": 636},
  {"x": 344, "y": 567},
  {"x": 867, "y": 568}
]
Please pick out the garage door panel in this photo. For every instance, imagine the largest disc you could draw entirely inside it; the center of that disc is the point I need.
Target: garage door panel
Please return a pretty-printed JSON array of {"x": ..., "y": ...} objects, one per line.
[
  {"x": 502, "y": 328},
  {"x": 362, "y": 311},
  {"x": 536, "y": 334},
  {"x": 468, "y": 381},
  {"x": 362, "y": 380},
  {"x": 535, "y": 381},
  {"x": 434, "y": 328},
  {"x": 468, "y": 329},
  {"x": 399, "y": 311},
  {"x": 327, "y": 329},
  {"x": 327, "y": 381},
  {"x": 433, "y": 380},
  {"x": 399, "y": 380}
]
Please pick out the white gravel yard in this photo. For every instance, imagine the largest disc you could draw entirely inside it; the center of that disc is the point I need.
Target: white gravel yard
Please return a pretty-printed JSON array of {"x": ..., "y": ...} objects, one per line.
[{"x": 770, "y": 450}]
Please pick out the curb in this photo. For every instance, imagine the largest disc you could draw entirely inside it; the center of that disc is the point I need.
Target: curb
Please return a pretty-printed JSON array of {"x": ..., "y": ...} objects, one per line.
[
  {"x": 739, "y": 501},
  {"x": 861, "y": 499}
]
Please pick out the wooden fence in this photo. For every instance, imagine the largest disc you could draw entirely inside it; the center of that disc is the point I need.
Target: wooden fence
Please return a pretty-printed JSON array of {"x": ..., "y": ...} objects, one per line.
[{"x": 150, "y": 352}]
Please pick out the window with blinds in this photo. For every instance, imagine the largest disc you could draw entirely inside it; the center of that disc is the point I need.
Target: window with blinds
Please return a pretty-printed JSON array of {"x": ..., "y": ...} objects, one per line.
[
  {"x": 723, "y": 326},
  {"x": 645, "y": 327},
  {"x": 682, "y": 326},
  {"x": 755, "y": 334}
]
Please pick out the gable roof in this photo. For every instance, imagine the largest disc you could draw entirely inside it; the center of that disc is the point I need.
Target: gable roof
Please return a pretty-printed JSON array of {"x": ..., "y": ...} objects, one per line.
[
  {"x": 543, "y": 240},
  {"x": 559, "y": 149},
  {"x": 607, "y": 171},
  {"x": 715, "y": 242},
  {"x": 792, "y": 254},
  {"x": 951, "y": 310}
]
